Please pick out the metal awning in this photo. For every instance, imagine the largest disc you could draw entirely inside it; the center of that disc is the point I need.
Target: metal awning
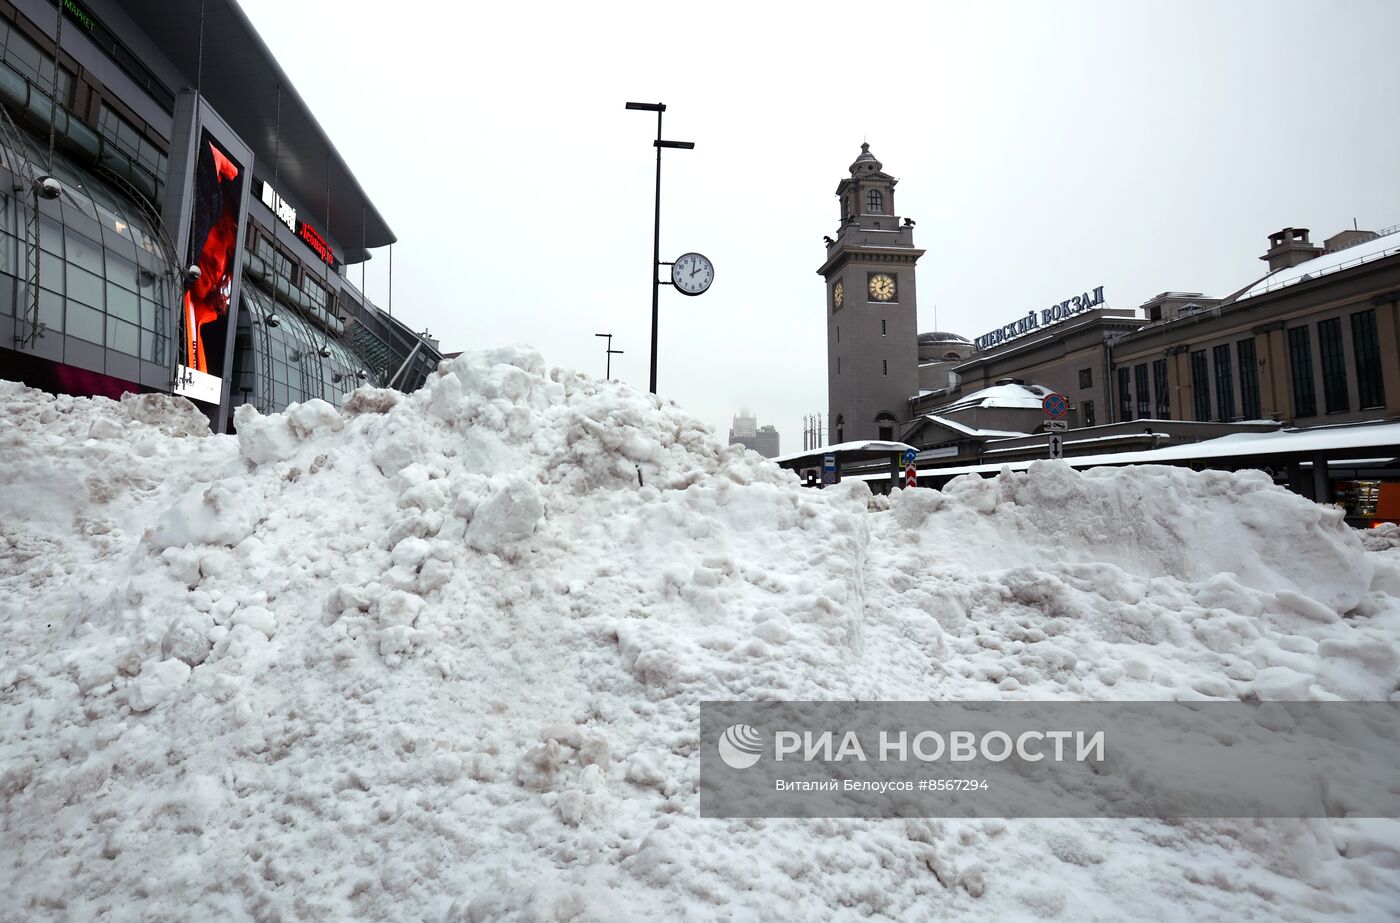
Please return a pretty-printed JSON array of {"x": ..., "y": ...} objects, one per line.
[{"x": 240, "y": 80}]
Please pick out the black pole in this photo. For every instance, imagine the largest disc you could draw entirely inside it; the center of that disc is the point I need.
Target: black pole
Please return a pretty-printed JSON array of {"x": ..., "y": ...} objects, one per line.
[{"x": 656, "y": 252}]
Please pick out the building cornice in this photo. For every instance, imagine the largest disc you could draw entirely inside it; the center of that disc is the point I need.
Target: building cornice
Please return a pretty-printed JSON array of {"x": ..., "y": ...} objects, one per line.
[{"x": 883, "y": 256}]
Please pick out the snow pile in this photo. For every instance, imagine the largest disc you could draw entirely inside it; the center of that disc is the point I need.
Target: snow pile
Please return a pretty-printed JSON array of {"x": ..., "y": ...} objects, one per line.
[{"x": 439, "y": 656}]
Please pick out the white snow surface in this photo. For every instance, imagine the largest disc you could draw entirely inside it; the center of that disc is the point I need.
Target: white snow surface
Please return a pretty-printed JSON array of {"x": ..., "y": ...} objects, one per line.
[{"x": 439, "y": 657}]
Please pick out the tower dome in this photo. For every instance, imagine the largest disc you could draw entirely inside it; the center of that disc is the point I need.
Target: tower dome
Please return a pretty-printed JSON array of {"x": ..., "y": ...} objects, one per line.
[{"x": 866, "y": 162}]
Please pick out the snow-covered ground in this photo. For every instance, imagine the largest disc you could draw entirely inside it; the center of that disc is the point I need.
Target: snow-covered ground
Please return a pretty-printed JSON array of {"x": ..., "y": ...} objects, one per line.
[{"x": 439, "y": 657}]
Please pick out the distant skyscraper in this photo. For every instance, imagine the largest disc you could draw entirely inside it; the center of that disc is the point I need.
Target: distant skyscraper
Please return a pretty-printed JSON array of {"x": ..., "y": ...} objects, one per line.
[
  {"x": 747, "y": 433},
  {"x": 767, "y": 442}
]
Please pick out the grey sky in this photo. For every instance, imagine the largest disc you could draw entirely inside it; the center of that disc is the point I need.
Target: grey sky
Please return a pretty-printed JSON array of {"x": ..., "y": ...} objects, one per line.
[{"x": 1043, "y": 148}]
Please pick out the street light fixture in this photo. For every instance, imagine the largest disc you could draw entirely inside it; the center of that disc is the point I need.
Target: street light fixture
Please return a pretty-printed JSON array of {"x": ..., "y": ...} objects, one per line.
[
  {"x": 658, "y": 108},
  {"x": 611, "y": 352}
]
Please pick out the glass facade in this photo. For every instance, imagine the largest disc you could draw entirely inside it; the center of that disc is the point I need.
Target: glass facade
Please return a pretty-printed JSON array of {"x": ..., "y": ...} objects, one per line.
[
  {"x": 1370, "y": 389},
  {"x": 1200, "y": 385},
  {"x": 1249, "y": 378},
  {"x": 292, "y": 362},
  {"x": 1300, "y": 371},
  {"x": 20, "y": 52},
  {"x": 103, "y": 275},
  {"x": 1224, "y": 384},
  {"x": 1334, "y": 365},
  {"x": 129, "y": 139}
]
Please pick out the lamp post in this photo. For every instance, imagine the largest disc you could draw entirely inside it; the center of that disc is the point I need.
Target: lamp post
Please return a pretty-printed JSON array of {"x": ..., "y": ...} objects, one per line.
[
  {"x": 611, "y": 352},
  {"x": 658, "y": 108}
]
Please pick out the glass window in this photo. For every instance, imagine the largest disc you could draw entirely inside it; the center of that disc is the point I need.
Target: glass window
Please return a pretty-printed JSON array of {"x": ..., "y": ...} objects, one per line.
[
  {"x": 51, "y": 313},
  {"x": 1125, "y": 398},
  {"x": 1365, "y": 344},
  {"x": 1163, "y": 409},
  {"x": 123, "y": 337},
  {"x": 122, "y": 271},
  {"x": 1200, "y": 385},
  {"x": 153, "y": 346},
  {"x": 1086, "y": 379},
  {"x": 876, "y": 202},
  {"x": 51, "y": 271},
  {"x": 1334, "y": 365},
  {"x": 1224, "y": 383},
  {"x": 84, "y": 252},
  {"x": 84, "y": 286},
  {"x": 1144, "y": 397},
  {"x": 1088, "y": 412},
  {"x": 8, "y": 293},
  {"x": 51, "y": 235},
  {"x": 122, "y": 303},
  {"x": 1300, "y": 370},
  {"x": 85, "y": 322},
  {"x": 1249, "y": 378}
]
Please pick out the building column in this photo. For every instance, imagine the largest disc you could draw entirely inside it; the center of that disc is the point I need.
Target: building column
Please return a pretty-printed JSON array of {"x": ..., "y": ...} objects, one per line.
[
  {"x": 1322, "y": 480},
  {"x": 1274, "y": 375},
  {"x": 1388, "y": 336}
]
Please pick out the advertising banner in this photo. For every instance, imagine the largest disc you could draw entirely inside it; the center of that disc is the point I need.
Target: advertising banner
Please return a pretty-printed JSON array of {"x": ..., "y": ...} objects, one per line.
[{"x": 218, "y": 197}]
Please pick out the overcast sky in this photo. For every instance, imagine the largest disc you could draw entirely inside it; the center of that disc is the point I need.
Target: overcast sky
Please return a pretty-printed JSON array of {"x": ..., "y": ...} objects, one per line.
[{"x": 1043, "y": 149}]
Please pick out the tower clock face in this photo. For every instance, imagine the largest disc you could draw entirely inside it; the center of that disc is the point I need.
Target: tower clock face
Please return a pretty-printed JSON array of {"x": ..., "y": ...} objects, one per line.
[
  {"x": 881, "y": 287},
  {"x": 838, "y": 293}
]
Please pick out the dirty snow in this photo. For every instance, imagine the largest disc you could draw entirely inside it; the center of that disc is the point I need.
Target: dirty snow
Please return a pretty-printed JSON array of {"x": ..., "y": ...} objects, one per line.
[{"x": 439, "y": 656}]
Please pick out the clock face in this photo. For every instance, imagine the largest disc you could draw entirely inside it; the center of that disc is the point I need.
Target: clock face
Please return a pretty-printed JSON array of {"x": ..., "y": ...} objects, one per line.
[
  {"x": 838, "y": 294},
  {"x": 881, "y": 287},
  {"x": 692, "y": 273}
]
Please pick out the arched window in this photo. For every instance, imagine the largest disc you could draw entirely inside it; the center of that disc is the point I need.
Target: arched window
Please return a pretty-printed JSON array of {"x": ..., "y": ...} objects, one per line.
[
  {"x": 886, "y": 422},
  {"x": 840, "y": 428},
  {"x": 876, "y": 202}
]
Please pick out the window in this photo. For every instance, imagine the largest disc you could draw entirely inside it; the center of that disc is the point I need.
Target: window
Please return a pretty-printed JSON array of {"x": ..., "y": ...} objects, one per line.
[
  {"x": 1088, "y": 412},
  {"x": 1370, "y": 389},
  {"x": 1301, "y": 372},
  {"x": 838, "y": 365},
  {"x": 885, "y": 422},
  {"x": 838, "y": 334},
  {"x": 1249, "y": 378},
  {"x": 882, "y": 326},
  {"x": 1086, "y": 379},
  {"x": 126, "y": 137},
  {"x": 885, "y": 367},
  {"x": 840, "y": 428},
  {"x": 1334, "y": 365},
  {"x": 1224, "y": 383},
  {"x": 1144, "y": 397},
  {"x": 875, "y": 201},
  {"x": 1200, "y": 385},
  {"x": 1163, "y": 409},
  {"x": 1125, "y": 398}
]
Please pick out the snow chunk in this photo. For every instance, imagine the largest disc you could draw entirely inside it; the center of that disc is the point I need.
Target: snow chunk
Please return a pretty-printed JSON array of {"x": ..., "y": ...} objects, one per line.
[
  {"x": 156, "y": 682},
  {"x": 223, "y": 513}
]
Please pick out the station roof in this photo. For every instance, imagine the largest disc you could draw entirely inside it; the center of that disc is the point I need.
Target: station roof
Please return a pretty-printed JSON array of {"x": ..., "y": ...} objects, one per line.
[
  {"x": 240, "y": 78},
  {"x": 865, "y": 447},
  {"x": 1285, "y": 444},
  {"x": 1387, "y": 244}
]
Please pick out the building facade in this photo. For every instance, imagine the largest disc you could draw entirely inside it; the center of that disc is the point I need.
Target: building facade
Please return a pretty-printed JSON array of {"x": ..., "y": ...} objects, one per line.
[
  {"x": 1314, "y": 342},
  {"x": 746, "y": 432},
  {"x": 177, "y": 219},
  {"x": 871, "y": 308}
]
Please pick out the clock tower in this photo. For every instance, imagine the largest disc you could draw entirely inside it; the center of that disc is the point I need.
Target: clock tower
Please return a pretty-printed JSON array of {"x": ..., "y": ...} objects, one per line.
[{"x": 871, "y": 309}]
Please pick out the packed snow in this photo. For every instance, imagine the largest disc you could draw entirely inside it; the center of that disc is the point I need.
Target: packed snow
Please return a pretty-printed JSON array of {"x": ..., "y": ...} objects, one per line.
[{"x": 439, "y": 656}]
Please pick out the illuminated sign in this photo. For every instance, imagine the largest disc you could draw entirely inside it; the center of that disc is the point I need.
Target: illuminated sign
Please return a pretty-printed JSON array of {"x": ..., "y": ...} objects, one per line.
[
  {"x": 284, "y": 212},
  {"x": 288, "y": 216},
  {"x": 316, "y": 242},
  {"x": 79, "y": 14},
  {"x": 218, "y": 197},
  {"x": 1045, "y": 318}
]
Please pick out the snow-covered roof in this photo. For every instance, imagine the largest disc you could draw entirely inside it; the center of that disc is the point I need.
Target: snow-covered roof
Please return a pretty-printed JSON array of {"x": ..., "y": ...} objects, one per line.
[
  {"x": 1001, "y": 396},
  {"x": 864, "y": 445},
  {"x": 969, "y": 431},
  {"x": 1383, "y": 246},
  {"x": 1280, "y": 442}
]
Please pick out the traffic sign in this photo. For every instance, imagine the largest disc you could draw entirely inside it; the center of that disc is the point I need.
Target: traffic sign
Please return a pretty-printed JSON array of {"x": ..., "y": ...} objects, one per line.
[
  {"x": 1057, "y": 448},
  {"x": 911, "y": 476},
  {"x": 1055, "y": 405},
  {"x": 829, "y": 468},
  {"x": 1057, "y": 426},
  {"x": 909, "y": 456}
]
